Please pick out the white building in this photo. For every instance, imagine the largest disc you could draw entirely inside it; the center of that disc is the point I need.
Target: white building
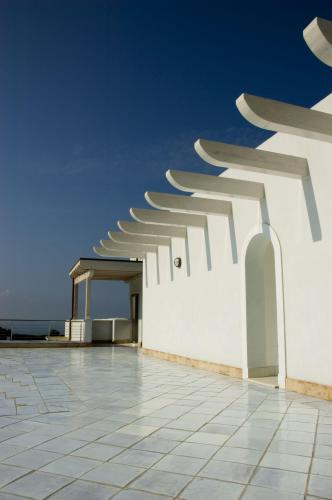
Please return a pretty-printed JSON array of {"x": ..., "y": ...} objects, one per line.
[{"x": 237, "y": 273}]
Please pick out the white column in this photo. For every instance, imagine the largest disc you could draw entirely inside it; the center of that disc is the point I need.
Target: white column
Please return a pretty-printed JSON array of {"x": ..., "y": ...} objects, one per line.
[
  {"x": 75, "y": 302},
  {"x": 87, "y": 298}
]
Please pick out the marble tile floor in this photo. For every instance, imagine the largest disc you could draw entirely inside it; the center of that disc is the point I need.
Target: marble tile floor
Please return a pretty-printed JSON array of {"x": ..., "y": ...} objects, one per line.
[
  {"x": 109, "y": 422},
  {"x": 266, "y": 381}
]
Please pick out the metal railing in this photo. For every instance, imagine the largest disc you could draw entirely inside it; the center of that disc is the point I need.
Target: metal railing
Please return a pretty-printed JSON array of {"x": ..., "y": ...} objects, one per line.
[{"x": 31, "y": 329}]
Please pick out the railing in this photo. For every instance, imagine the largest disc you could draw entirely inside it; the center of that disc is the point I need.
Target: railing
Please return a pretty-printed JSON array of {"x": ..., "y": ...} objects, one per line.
[{"x": 31, "y": 329}]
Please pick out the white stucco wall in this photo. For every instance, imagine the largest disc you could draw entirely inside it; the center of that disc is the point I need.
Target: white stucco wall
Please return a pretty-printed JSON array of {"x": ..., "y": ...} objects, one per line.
[{"x": 198, "y": 312}]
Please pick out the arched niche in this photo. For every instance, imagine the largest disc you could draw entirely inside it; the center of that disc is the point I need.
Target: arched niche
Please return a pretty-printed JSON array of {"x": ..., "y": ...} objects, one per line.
[{"x": 263, "y": 312}]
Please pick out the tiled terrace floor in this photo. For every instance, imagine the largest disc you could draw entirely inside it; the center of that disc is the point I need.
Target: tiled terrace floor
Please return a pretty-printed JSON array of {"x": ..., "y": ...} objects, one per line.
[{"x": 107, "y": 422}]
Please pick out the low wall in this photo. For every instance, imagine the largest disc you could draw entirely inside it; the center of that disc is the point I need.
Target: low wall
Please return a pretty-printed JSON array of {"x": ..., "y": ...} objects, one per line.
[{"x": 100, "y": 330}]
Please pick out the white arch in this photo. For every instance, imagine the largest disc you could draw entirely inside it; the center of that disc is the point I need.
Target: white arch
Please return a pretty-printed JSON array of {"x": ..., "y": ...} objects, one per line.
[{"x": 267, "y": 230}]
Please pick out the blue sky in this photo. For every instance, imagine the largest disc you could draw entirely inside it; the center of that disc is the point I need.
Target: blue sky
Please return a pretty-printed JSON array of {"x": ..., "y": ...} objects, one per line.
[{"x": 99, "y": 98}]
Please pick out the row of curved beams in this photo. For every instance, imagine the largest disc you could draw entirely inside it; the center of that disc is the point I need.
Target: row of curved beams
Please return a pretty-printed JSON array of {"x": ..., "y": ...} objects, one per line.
[{"x": 173, "y": 213}]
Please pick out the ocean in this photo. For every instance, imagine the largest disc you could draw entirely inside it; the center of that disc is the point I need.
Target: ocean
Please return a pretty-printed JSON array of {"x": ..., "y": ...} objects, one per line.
[{"x": 24, "y": 329}]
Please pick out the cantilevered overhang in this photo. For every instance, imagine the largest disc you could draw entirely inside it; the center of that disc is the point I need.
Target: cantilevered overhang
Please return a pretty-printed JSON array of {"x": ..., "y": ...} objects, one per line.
[
  {"x": 225, "y": 155},
  {"x": 106, "y": 269},
  {"x": 280, "y": 116},
  {"x": 210, "y": 184},
  {"x": 318, "y": 36}
]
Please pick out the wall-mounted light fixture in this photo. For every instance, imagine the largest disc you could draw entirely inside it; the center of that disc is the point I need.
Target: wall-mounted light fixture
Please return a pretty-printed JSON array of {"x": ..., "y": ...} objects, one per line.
[{"x": 178, "y": 262}]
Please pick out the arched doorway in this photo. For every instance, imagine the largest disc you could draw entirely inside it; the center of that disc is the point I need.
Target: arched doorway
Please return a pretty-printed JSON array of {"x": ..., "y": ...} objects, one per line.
[{"x": 261, "y": 310}]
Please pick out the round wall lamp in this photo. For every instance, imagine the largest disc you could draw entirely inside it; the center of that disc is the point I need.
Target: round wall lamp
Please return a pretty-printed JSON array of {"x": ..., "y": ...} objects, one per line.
[{"x": 177, "y": 262}]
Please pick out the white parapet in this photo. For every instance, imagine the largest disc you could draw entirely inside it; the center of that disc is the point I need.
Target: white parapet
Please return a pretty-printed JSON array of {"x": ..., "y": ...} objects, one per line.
[
  {"x": 80, "y": 330},
  {"x": 138, "y": 240},
  {"x": 152, "y": 229},
  {"x": 210, "y": 184},
  {"x": 102, "y": 252},
  {"x": 225, "y": 155},
  {"x": 121, "y": 330},
  {"x": 127, "y": 247},
  {"x": 282, "y": 117},
  {"x": 318, "y": 37},
  {"x": 189, "y": 204},
  {"x": 168, "y": 218}
]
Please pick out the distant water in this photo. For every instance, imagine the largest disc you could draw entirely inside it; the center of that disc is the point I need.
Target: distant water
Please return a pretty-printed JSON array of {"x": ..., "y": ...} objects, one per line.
[{"x": 30, "y": 328}]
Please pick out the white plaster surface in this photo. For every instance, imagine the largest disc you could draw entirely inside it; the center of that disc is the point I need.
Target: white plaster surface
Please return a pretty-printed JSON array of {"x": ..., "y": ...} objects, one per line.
[{"x": 199, "y": 313}]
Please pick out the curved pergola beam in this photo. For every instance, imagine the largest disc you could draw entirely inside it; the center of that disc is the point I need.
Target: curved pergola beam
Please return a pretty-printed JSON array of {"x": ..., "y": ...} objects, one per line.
[
  {"x": 138, "y": 240},
  {"x": 152, "y": 229},
  {"x": 180, "y": 219},
  {"x": 102, "y": 252},
  {"x": 287, "y": 118},
  {"x": 210, "y": 184},
  {"x": 318, "y": 37},
  {"x": 127, "y": 247},
  {"x": 221, "y": 154},
  {"x": 188, "y": 204}
]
